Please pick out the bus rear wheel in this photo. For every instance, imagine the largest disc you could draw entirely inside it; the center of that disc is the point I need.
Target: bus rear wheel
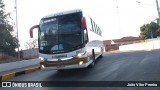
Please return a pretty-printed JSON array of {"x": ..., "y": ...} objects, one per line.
[{"x": 101, "y": 56}]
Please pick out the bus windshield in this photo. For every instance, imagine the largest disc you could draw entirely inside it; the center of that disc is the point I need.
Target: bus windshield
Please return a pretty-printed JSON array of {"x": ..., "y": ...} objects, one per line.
[{"x": 60, "y": 33}]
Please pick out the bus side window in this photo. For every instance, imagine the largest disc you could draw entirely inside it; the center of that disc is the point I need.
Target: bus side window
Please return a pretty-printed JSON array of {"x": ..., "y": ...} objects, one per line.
[{"x": 85, "y": 36}]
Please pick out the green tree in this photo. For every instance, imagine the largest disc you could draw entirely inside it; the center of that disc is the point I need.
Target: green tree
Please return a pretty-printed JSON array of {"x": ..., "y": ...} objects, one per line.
[
  {"x": 8, "y": 42},
  {"x": 151, "y": 30}
]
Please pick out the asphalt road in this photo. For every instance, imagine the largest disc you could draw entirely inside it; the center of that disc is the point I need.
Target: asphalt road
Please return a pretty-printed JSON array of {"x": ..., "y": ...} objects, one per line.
[{"x": 126, "y": 66}]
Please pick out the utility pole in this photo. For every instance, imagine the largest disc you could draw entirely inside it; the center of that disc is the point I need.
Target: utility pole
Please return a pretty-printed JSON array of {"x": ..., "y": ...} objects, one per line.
[
  {"x": 17, "y": 29},
  {"x": 158, "y": 11}
]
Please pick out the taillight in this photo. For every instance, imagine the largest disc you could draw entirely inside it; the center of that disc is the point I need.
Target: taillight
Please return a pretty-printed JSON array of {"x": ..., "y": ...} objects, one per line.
[{"x": 84, "y": 25}]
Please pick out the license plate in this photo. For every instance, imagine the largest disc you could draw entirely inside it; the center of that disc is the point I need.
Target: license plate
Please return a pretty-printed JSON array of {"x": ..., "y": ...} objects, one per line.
[{"x": 60, "y": 66}]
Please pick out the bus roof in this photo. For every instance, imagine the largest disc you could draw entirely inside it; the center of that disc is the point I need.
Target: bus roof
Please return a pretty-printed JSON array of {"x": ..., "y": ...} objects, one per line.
[{"x": 62, "y": 13}]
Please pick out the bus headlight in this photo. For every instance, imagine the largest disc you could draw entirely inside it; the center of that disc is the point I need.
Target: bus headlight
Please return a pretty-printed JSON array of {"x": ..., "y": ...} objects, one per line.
[
  {"x": 41, "y": 58},
  {"x": 81, "y": 62},
  {"x": 80, "y": 54}
]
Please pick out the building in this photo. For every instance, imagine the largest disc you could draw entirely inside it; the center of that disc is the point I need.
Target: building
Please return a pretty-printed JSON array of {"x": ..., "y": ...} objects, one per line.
[{"x": 115, "y": 43}]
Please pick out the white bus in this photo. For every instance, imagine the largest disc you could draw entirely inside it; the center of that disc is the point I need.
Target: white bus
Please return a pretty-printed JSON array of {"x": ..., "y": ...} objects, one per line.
[{"x": 68, "y": 40}]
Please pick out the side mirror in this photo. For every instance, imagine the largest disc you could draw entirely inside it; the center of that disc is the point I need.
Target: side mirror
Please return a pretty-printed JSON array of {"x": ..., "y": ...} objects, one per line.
[
  {"x": 31, "y": 30},
  {"x": 84, "y": 25}
]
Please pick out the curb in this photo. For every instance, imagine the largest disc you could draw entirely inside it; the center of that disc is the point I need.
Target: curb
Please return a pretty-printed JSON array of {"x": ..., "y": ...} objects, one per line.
[{"x": 15, "y": 74}]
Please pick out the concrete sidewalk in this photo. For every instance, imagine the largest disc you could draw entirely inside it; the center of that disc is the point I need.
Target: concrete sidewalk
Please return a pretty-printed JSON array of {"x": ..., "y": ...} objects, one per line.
[
  {"x": 18, "y": 64},
  {"x": 13, "y": 69}
]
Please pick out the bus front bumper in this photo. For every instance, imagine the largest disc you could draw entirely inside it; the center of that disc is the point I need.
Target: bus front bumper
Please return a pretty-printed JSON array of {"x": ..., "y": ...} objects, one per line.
[{"x": 77, "y": 63}]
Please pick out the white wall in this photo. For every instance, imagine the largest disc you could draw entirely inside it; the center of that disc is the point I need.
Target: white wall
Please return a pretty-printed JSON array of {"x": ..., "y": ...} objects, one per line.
[
  {"x": 147, "y": 45},
  {"x": 32, "y": 53}
]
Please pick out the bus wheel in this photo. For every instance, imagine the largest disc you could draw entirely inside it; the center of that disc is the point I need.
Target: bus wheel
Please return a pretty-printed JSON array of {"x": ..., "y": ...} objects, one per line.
[
  {"x": 93, "y": 58},
  {"x": 101, "y": 56},
  {"x": 93, "y": 55},
  {"x": 102, "y": 53}
]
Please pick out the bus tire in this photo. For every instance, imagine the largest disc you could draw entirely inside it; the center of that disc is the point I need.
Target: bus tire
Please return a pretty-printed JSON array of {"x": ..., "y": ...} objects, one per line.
[
  {"x": 102, "y": 53},
  {"x": 93, "y": 55},
  {"x": 93, "y": 58}
]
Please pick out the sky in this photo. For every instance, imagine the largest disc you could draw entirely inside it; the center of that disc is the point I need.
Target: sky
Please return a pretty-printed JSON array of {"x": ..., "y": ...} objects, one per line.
[{"x": 116, "y": 18}]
